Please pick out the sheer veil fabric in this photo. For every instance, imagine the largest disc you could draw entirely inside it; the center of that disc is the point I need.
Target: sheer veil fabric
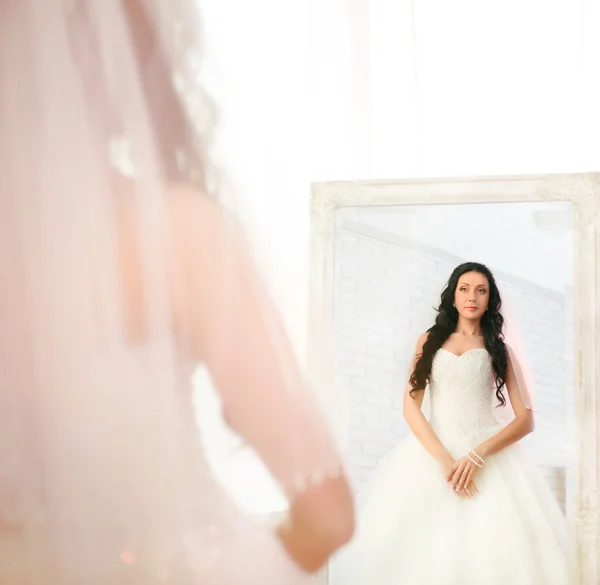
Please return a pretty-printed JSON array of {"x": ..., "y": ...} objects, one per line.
[
  {"x": 120, "y": 273},
  {"x": 518, "y": 359}
]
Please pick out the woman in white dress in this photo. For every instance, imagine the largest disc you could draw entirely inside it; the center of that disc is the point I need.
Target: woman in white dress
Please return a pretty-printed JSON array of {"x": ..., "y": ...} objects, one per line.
[
  {"x": 458, "y": 502},
  {"x": 122, "y": 273}
]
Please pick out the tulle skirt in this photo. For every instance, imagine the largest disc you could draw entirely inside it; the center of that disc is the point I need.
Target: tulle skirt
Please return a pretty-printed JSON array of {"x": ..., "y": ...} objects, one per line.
[{"x": 413, "y": 530}]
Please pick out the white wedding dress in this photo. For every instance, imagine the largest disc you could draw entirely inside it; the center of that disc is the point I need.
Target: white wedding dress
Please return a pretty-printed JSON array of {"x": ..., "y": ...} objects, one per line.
[{"x": 413, "y": 530}]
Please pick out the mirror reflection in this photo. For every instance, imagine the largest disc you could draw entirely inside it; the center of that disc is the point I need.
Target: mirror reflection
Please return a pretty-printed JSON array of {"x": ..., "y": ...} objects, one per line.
[{"x": 460, "y": 438}]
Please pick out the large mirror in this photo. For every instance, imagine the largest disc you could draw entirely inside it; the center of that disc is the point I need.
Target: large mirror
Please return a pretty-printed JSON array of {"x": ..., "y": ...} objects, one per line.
[
  {"x": 391, "y": 264},
  {"x": 382, "y": 254}
]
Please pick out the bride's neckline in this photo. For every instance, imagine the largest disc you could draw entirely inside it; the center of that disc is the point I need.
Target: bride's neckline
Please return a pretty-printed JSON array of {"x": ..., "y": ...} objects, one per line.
[{"x": 459, "y": 355}]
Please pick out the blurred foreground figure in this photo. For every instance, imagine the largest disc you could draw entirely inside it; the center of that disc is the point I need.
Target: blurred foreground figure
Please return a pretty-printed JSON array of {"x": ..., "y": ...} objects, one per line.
[{"x": 120, "y": 273}]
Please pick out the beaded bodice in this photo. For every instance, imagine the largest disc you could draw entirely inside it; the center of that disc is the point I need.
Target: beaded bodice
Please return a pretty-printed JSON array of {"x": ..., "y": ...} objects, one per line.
[{"x": 462, "y": 393}]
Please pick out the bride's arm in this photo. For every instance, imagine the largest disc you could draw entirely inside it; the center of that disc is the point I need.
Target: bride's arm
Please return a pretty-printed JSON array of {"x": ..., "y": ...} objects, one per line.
[
  {"x": 521, "y": 426},
  {"x": 231, "y": 325},
  {"x": 416, "y": 420}
]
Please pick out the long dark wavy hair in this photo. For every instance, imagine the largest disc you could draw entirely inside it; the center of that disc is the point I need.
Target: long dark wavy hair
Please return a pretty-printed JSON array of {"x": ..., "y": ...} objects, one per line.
[{"x": 492, "y": 323}]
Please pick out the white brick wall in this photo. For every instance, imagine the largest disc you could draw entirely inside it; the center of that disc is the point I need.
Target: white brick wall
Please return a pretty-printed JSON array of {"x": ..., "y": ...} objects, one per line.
[{"x": 382, "y": 290}]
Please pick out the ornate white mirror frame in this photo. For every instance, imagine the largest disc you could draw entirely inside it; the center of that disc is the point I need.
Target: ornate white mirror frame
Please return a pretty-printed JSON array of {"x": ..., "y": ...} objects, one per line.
[{"x": 582, "y": 191}]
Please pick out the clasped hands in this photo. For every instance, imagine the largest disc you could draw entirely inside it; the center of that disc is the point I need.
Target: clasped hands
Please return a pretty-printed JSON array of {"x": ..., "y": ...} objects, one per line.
[{"x": 460, "y": 474}]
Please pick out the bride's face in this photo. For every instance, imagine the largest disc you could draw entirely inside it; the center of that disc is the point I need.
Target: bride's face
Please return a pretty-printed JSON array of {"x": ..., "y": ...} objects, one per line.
[{"x": 472, "y": 295}]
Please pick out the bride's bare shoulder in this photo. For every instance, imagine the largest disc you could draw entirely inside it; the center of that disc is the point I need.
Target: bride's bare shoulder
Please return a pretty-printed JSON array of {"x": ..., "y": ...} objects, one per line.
[
  {"x": 197, "y": 223},
  {"x": 421, "y": 341}
]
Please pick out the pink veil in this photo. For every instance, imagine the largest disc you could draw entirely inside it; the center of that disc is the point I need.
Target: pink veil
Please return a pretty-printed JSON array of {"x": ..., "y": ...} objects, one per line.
[
  {"x": 119, "y": 275},
  {"x": 518, "y": 360}
]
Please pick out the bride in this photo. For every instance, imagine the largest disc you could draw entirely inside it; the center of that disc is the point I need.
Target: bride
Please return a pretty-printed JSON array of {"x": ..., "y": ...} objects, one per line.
[
  {"x": 458, "y": 502},
  {"x": 122, "y": 272}
]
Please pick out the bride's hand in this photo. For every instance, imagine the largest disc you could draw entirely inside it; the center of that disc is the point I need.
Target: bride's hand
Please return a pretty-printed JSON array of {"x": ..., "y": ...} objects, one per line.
[
  {"x": 449, "y": 465},
  {"x": 460, "y": 476},
  {"x": 469, "y": 492}
]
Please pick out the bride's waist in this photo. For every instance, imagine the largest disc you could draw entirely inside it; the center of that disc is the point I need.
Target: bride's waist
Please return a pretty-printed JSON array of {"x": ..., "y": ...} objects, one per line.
[{"x": 461, "y": 425}]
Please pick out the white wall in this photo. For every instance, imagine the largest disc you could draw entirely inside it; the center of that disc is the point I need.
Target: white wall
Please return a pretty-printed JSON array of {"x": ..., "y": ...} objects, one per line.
[
  {"x": 543, "y": 230},
  {"x": 257, "y": 69},
  {"x": 383, "y": 285}
]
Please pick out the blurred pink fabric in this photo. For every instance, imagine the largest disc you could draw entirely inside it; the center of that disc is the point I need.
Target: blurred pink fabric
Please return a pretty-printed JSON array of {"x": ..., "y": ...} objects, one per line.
[{"x": 120, "y": 273}]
